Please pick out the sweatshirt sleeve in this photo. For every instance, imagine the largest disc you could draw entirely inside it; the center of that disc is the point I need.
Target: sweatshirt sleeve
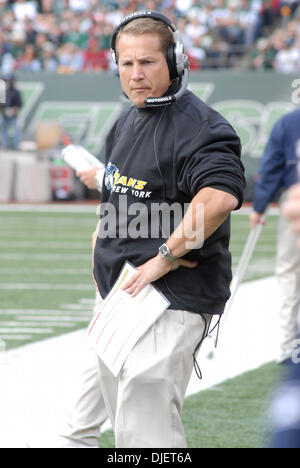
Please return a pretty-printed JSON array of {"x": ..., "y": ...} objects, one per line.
[
  {"x": 271, "y": 169},
  {"x": 212, "y": 159}
]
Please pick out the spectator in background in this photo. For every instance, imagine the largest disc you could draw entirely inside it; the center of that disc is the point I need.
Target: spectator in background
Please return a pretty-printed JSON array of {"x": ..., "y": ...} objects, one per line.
[
  {"x": 70, "y": 59},
  {"x": 75, "y": 35},
  {"x": 48, "y": 59},
  {"x": 28, "y": 62},
  {"x": 10, "y": 112},
  {"x": 287, "y": 59},
  {"x": 24, "y": 9},
  {"x": 262, "y": 58},
  {"x": 95, "y": 59}
]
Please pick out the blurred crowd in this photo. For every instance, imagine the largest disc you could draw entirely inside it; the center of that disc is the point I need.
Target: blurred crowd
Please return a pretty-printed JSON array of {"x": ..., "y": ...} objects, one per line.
[{"x": 67, "y": 36}]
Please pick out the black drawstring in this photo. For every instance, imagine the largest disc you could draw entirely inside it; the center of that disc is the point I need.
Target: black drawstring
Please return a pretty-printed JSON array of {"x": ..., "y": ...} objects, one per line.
[{"x": 196, "y": 365}]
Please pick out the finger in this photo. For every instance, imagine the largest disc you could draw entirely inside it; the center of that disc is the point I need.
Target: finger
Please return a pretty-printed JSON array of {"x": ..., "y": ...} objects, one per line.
[
  {"x": 187, "y": 263},
  {"x": 130, "y": 282}
]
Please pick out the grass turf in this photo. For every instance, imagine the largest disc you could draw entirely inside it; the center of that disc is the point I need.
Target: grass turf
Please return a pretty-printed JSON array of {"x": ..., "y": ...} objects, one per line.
[
  {"x": 44, "y": 250},
  {"x": 233, "y": 414}
]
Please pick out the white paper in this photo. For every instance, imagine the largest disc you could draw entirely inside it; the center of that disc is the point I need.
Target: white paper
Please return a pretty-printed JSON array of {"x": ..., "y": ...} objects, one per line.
[
  {"x": 79, "y": 158},
  {"x": 122, "y": 320}
]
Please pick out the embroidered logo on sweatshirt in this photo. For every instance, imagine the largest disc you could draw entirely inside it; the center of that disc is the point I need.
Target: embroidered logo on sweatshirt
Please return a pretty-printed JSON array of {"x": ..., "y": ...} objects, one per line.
[{"x": 115, "y": 182}]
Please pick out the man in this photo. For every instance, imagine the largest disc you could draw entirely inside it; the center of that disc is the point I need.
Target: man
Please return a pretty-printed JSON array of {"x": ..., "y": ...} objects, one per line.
[
  {"x": 10, "y": 111},
  {"x": 285, "y": 407},
  {"x": 278, "y": 171},
  {"x": 180, "y": 151},
  {"x": 87, "y": 413},
  {"x": 291, "y": 208}
]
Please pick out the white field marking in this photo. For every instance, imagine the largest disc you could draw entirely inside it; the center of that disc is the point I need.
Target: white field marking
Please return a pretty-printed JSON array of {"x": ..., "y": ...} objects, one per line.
[
  {"x": 76, "y": 306},
  {"x": 43, "y": 257},
  {"x": 46, "y": 287},
  {"x": 86, "y": 301},
  {"x": 44, "y": 245},
  {"x": 50, "y": 208},
  {"x": 246, "y": 210},
  {"x": 16, "y": 337},
  {"x": 37, "y": 331},
  {"x": 31, "y": 323},
  {"x": 259, "y": 248},
  {"x": 46, "y": 271},
  {"x": 44, "y": 312},
  {"x": 53, "y": 319}
]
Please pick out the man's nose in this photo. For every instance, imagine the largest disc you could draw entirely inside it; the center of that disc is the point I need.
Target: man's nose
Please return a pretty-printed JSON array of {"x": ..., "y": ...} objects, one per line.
[{"x": 137, "y": 72}]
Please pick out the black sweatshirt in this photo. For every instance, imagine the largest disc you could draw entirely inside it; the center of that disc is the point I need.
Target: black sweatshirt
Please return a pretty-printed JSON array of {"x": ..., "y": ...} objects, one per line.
[{"x": 166, "y": 155}]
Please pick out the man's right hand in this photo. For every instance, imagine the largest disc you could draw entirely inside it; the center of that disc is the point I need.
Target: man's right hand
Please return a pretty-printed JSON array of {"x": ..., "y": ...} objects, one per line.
[
  {"x": 94, "y": 241},
  {"x": 256, "y": 219}
]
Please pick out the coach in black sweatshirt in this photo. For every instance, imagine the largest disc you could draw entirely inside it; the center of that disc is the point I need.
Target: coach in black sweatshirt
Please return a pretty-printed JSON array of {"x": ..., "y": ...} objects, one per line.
[{"x": 180, "y": 155}]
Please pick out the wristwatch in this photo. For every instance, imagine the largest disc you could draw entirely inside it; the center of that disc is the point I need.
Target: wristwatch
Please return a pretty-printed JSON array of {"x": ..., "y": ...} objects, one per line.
[{"x": 164, "y": 251}]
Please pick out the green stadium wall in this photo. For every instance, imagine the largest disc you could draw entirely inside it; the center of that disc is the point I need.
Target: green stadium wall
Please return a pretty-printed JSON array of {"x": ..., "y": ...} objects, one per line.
[{"x": 86, "y": 105}]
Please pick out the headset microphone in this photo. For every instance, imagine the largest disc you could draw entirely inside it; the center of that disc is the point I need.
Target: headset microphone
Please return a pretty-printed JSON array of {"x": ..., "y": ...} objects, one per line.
[{"x": 166, "y": 100}]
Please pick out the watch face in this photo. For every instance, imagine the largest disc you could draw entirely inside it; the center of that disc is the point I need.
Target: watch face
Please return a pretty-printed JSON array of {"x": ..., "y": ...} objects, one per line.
[{"x": 163, "y": 250}]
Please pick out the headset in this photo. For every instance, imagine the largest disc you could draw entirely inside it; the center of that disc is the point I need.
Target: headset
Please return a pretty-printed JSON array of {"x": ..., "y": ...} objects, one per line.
[{"x": 177, "y": 60}]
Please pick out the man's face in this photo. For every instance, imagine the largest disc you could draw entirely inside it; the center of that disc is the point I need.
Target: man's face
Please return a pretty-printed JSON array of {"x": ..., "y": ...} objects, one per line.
[{"x": 143, "y": 67}]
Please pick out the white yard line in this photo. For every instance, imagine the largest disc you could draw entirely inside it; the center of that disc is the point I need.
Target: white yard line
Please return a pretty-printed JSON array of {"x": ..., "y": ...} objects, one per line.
[
  {"x": 36, "y": 322},
  {"x": 46, "y": 271},
  {"x": 46, "y": 287},
  {"x": 55, "y": 320},
  {"x": 44, "y": 245},
  {"x": 48, "y": 257},
  {"x": 20, "y": 329},
  {"x": 47, "y": 312}
]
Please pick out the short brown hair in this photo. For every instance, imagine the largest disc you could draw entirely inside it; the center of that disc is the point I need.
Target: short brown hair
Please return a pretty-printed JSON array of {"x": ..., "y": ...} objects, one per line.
[{"x": 142, "y": 26}]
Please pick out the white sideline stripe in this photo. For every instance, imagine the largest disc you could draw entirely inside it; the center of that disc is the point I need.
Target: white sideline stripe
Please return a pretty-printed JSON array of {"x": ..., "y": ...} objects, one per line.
[
  {"x": 77, "y": 307},
  {"x": 40, "y": 220},
  {"x": 48, "y": 257},
  {"x": 43, "y": 312},
  {"x": 246, "y": 210},
  {"x": 31, "y": 323},
  {"x": 38, "y": 331},
  {"x": 54, "y": 287},
  {"x": 81, "y": 208},
  {"x": 55, "y": 318},
  {"x": 61, "y": 208}
]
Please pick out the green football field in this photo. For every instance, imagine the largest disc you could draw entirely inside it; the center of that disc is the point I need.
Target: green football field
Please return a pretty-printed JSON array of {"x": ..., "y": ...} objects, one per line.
[
  {"x": 46, "y": 289},
  {"x": 45, "y": 269}
]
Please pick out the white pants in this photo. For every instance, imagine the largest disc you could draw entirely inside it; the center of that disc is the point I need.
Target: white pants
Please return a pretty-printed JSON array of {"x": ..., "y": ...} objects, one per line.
[
  {"x": 88, "y": 412},
  {"x": 288, "y": 277},
  {"x": 145, "y": 402}
]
